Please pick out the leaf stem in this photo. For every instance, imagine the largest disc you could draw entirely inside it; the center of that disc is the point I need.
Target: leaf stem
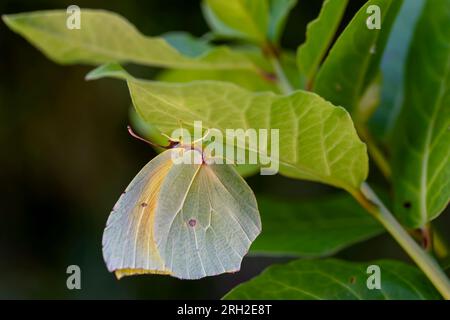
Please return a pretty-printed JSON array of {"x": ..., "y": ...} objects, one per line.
[
  {"x": 369, "y": 200},
  {"x": 283, "y": 82},
  {"x": 377, "y": 155}
]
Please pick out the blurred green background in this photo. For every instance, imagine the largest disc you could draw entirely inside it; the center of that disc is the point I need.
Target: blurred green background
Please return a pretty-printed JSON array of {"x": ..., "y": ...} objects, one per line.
[{"x": 66, "y": 157}]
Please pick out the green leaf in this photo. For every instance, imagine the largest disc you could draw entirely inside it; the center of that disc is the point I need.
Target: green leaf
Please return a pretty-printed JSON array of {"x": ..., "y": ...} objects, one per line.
[
  {"x": 392, "y": 67},
  {"x": 256, "y": 21},
  {"x": 353, "y": 60},
  {"x": 241, "y": 19},
  {"x": 246, "y": 79},
  {"x": 317, "y": 140},
  {"x": 332, "y": 279},
  {"x": 147, "y": 130},
  {"x": 151, "y": 133},
  {"x": 111, "y": 70},
  {"x": 377, "y": 51},
  {"x": 421, "y": 159},
  {"x": 106, "y": 37},
  {"x": 314, "y": 227},
  {"x": 288, "y": 63},
  {"x": 220, "y": 30},
  {"x": 279, "y": 11},
  {"x": 187, "y": 44},
  {"x": 319, "y": 35}
]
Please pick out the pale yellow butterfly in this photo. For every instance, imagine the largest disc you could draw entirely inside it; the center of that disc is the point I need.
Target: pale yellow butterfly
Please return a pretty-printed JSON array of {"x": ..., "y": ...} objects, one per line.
[{"x": 185, "y": 220}]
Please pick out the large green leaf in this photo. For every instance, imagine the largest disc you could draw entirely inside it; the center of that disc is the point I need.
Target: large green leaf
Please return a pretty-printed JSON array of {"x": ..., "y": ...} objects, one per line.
[
  {"x": 243, "y": 19},
  {"x": 314, "y": 227},
  {"x": 421, "y": 160},
  {"x": 278, "y": 10},
  {"x": 392, "y": 68},
  {"x": 319, "y": 35},
  {"x": 317, "y": 140},
  {"x": 353, "y": 60},
  {"x": 336, "y": 280},
  {"x": 106, "y": 37}
]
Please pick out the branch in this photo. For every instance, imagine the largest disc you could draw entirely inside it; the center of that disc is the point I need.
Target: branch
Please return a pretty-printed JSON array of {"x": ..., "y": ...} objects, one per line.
[{"x": 369, "y": 200}]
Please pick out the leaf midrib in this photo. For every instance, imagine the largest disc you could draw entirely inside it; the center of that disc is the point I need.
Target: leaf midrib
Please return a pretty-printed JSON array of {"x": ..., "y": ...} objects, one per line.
[{"x": 426, "y": 154}]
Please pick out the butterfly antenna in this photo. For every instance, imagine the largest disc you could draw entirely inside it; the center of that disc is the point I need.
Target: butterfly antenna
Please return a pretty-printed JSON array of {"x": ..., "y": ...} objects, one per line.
[
  {"x": 207, "y": 131},
  {"x": 134, "y": 135},
  {"x": 167, "y": 136}
]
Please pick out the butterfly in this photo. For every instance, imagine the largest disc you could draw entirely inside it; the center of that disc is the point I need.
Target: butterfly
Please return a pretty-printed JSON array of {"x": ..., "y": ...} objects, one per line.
[{"x": 185, "y": 220}]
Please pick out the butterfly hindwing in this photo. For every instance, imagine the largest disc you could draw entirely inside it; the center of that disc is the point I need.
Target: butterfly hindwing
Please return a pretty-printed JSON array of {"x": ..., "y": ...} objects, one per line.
[
  {"x": 205, "y": 220},
  {"x": 186, "y": 220}
]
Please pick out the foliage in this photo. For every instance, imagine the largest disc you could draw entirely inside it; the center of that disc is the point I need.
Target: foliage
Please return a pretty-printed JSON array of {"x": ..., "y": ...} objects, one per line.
[
  {"x": 335, "y": 279},
  {"x": 321, "y": 108}
]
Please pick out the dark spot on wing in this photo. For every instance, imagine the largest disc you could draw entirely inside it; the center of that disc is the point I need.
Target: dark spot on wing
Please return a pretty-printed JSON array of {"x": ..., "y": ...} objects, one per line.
[
  {"x": 407, "y": 204},
  {"x": 192, "y": 222},
  {"x": 143, "y": 204}
]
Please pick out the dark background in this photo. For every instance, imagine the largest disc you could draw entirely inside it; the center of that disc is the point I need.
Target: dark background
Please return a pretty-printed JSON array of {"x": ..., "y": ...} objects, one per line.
[{"x": 66, "y": 157}]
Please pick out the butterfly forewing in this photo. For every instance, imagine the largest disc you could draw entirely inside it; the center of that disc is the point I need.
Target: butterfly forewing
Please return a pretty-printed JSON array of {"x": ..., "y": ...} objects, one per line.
[{"x": 128, "y": 239}]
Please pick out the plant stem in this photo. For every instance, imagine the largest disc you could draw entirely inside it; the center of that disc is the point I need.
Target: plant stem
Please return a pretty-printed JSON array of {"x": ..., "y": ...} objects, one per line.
[
  {"x": 369, "y": 200},
  {"x": 282, "y": 80},
  {"x": 377, "y": 155}
]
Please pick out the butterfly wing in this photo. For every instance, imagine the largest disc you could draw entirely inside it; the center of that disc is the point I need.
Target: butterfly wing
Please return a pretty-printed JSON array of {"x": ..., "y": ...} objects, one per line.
[
  {"x": 128, "y": 239},
  {"x": 205, "y": 220}
]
